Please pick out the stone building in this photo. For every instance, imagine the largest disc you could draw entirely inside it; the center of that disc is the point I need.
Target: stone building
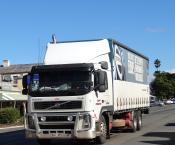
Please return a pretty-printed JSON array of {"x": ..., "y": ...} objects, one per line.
[{"x": 11, "y": 83}]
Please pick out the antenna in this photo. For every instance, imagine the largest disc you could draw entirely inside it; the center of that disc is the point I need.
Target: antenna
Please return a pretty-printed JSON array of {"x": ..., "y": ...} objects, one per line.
[
  {"x": 39, "y": 45},
  {"x": 54, "y": 39}
]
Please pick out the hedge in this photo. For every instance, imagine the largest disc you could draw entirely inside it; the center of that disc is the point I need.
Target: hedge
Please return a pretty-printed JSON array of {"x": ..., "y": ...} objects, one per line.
[{"x": 9, "y": 115}]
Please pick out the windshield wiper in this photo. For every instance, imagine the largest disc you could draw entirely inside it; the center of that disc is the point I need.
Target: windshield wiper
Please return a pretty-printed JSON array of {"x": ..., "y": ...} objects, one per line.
[
  {"x": 62, "y": 87},
  {"x": 46, "y": 89},
  {"x": 58, "y": 105}
]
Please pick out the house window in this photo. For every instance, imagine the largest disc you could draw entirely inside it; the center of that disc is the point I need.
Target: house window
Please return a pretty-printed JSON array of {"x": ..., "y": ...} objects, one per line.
[
  {"x": 15, "y": 79},
  {"x": 7, "y": 78}
]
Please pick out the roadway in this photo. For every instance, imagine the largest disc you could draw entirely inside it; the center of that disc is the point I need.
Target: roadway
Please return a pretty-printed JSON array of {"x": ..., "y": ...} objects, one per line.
[{"x": 158, "y": 129}]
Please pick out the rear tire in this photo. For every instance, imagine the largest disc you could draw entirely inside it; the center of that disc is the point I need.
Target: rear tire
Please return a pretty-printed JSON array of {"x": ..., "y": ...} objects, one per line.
[{"x": 103, "y": 129}]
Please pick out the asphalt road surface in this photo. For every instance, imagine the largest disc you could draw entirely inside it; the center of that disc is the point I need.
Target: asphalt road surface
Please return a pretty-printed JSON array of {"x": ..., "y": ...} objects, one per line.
[{"x": 158, "y": 129}]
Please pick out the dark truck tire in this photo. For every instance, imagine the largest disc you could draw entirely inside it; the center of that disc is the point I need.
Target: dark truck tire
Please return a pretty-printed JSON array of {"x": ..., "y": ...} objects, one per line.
[
  {"x": 43, "y": 141},
  {"x": 134, "y": 121},
  {"x": 103, "y": 128}
]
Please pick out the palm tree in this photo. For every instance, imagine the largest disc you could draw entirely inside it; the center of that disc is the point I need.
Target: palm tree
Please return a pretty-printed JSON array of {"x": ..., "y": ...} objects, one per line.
[{"x": 157, "y": 64}]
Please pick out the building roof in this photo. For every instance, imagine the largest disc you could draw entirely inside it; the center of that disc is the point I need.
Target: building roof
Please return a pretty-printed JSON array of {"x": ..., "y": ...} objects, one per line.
[{"x": 16, "y": 69}]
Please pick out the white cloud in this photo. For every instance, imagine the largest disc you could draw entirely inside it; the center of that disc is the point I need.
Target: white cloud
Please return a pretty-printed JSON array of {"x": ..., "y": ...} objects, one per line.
[
  {"x": 155, "y": 29},
  {"x": 171, "y": 71}
]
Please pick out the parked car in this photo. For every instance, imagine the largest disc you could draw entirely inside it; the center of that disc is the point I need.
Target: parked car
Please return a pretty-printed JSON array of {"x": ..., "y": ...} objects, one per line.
[
  {"x": 173, "y": 99},
  {"x": 157, "y": 103},
  {"x": 152, "y": 104},
  {"x": 169, "y": 102},
  {"x": 161, "y": 103}
]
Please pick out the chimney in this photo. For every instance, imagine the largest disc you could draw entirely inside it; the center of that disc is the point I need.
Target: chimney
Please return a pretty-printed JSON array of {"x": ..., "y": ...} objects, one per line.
[{"x": 6, "y": 63}]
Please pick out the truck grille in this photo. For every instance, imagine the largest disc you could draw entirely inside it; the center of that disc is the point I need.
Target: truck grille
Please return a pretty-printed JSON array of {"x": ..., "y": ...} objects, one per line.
[
  {"x": 68, "y": 126},
  {"x": 58, "y": 123},
  {"x": 57, "y": 105},
  {"x": 57, "y": 118}
]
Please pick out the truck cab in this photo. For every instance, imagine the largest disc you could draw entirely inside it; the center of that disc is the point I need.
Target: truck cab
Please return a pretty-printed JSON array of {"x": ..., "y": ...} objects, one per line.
[{"x": 67, "y": 101}]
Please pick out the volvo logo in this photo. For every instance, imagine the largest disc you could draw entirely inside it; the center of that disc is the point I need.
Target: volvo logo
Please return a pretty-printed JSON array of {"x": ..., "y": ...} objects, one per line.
[{"x": 56, "y": 99}]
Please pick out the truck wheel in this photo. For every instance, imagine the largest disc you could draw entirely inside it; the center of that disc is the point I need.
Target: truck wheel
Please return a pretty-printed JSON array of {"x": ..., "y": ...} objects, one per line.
[
  {"x": 146, "y": 111},
  {"x": 134, "y": 122},
  {"x": 139, "y": 120},
  {"x": 103, "y": 129},
  {"x": 43, "y": 141}
]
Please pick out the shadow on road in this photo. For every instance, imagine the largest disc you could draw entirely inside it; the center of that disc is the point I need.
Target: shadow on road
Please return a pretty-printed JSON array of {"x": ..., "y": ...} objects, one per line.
[
  {"x": 168, "y": 138},
  {"x": 15, "y": 138},
  {"x": 18, "y": 138},
  {"x": 170, "y": 124}
]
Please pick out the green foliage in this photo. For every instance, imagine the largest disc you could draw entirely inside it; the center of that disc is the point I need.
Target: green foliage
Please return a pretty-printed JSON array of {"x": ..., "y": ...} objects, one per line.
[
  {"x": 9, "y": 115},
  {"x": 163, "y": 86}
]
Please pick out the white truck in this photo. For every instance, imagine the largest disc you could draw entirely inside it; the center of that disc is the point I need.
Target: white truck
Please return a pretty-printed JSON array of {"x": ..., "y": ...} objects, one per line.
[{"x": 84, "y": 89}]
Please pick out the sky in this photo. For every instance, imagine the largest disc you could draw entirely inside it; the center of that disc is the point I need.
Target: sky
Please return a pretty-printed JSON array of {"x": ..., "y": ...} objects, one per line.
[{"x": 148, "y": 26}]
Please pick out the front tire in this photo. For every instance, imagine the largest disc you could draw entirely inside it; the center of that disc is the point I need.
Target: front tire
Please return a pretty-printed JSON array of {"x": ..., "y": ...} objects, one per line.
[
  {"x": 134, "y": 122},
  {"x": 103, "y": 129},
  {"x": 43, "y": 141}
]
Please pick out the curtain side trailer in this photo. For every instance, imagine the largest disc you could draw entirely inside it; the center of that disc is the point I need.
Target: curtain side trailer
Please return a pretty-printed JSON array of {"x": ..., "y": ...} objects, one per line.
[{"x": 85, "y": 89}]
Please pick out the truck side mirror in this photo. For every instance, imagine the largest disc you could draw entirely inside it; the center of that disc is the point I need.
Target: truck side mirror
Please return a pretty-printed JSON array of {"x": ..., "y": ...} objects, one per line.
[
  {"x": 104, "y": 64},
  {"x": 24, "y": 91},
  {"x": 101, "y": 82},
  {"x": 24, "y": 81},
  {"x": 24, "y": 84}
]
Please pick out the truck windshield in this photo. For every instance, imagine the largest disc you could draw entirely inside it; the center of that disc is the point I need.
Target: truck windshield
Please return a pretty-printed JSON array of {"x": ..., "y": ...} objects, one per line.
[{"x": 58, "y": 83}]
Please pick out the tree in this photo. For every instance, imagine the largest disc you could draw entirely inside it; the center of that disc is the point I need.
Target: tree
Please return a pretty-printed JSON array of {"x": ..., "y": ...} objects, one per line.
[
  {"x": 157, "y": 64},
  {"x": 163, "y": 86}
]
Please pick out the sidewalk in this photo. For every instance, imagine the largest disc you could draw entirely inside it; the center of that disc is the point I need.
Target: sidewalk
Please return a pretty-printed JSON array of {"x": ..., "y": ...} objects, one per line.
[{"x": 11, "y": 128}]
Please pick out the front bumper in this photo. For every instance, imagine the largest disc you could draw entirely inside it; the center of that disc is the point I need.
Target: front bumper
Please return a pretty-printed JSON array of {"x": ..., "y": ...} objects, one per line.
[{"x": 58, "y": 126}]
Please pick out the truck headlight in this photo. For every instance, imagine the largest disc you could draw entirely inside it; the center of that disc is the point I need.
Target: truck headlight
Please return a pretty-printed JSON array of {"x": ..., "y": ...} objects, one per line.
[
  {"x": 43, "y": 118},
  {"x": 30, "y": 122},
  {"x": 84, "y": 122}
]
